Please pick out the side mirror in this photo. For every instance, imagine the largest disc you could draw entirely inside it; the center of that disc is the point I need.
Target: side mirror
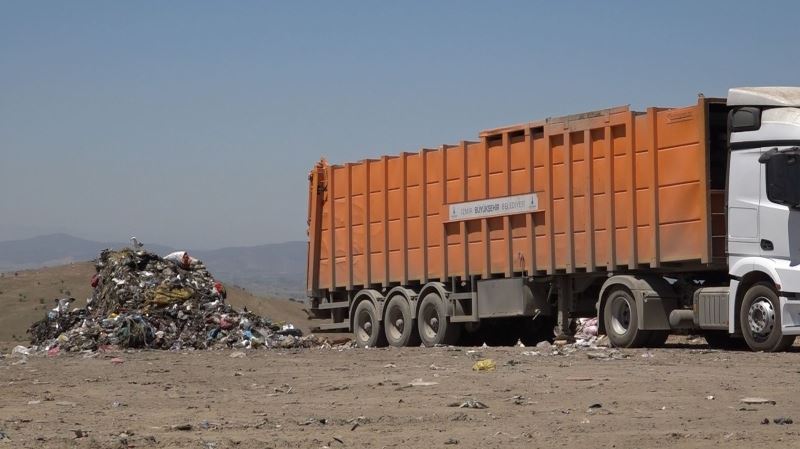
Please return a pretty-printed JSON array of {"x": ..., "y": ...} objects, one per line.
[
  {"x": 783, "y": 176},
  {"x": 746, "y": 118}
]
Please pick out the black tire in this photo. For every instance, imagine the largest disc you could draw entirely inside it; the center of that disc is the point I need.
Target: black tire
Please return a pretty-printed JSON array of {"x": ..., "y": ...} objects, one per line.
[
  {"x": 366, "y": 327},
  {"x": 760, "y": 318},
  {"x": 433, "y": 324},
  {"x": 398, "y": 323},
  {"x": 621, "y": 320},
  {"x": 723, "y": 340}
]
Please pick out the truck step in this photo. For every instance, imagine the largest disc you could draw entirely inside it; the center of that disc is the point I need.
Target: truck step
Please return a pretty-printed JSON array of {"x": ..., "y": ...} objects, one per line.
[{"x": 463, "y": 319}]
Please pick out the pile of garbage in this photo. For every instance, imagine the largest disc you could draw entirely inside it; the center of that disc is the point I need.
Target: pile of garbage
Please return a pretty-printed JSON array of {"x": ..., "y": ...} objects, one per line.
[{"x": 141, "y": 300}]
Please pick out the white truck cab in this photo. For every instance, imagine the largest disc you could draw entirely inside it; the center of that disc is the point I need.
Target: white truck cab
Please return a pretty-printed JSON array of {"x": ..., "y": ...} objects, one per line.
[{"x": 763, "y": 209}]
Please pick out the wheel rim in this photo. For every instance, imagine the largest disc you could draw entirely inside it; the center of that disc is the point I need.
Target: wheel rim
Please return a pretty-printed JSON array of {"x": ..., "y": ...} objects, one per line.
[
  {"x": 761, "y": 318},
  {"x": 430, "y": 321},
  {"x": 395, "y": 322},
  {"x": 620, "y": 315},
  {"x": 364, "y": 325}
]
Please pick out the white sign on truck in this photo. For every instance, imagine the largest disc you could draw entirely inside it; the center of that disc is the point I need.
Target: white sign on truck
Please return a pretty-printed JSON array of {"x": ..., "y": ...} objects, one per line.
[{"x": 508, "y": 205}]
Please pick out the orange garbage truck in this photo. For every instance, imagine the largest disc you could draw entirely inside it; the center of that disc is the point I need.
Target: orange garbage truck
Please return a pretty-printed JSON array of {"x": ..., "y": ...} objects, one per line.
[{"x": 672, "y": 219}]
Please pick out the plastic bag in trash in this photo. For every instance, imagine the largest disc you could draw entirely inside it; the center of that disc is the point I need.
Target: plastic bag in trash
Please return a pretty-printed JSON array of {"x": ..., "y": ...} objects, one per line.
[
  {"x": 181, "y": 259},
  {"x": 20, "y": 350},
  {"x": 484, "y": 365},
  {"x": 587, "y": 328}
]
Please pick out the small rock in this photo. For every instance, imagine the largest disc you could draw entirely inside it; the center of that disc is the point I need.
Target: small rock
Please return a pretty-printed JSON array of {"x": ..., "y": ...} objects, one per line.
[
  {"x": 595, "y": 406},
  {"x": 765, "y": 421},
  {"x": 710, "y": 397},
  {"x": 182, "y": 427},
  {"x": 783, "y": 420},
  {"x": 80, "y": 433},
  {"x": 451, "y": 441},
  {"x": 338, "y": 340}
]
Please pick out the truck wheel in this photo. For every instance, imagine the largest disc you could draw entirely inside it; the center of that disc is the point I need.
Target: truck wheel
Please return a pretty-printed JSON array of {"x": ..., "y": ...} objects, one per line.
[
  {"x": 398, "y": 323},
  {"x": 366, "y": 327},
  {"x": 723, "y": 340},
  {"x": 760, "y": 319},
  {"x": 621, "y": 320},
  {"x": 433, "y": 324}
]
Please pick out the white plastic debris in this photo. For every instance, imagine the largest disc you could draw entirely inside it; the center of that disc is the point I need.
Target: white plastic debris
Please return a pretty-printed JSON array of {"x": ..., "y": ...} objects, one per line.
[{"x": 20, "y": 350}]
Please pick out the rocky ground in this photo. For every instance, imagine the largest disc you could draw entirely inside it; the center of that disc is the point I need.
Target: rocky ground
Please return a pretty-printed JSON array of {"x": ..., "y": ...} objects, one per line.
[{"x": 681, "y": 396}]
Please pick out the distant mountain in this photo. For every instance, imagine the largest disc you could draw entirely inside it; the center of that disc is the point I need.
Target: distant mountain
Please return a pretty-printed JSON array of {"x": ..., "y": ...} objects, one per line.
[
  {"x": 52, "y": 250},
  {"x": 274, "y": 269},
  {"x": 277, "y": 269}
]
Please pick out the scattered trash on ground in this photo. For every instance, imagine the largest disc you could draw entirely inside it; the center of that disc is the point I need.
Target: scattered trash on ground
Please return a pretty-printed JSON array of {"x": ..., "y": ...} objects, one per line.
[
  {"x": 783, "y": 420},
  {"x": 141, "y": 300},
  {"x": 612, "y": 354},
  {"x": 587, "y": 328},
  {"x": 484, "y": 365},
  {"x": 757, "y": 401},
  {"x": 597, "y": 347},
  {"x": 20, "y": 351},
  {"x": 421, "y": 383},
  {"x": 469, "y": 403}
]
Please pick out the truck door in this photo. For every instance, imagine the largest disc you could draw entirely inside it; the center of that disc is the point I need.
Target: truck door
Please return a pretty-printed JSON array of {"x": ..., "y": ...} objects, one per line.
[
  {"x": 744, "y": 192},
  {"x": 779, "y": 226}
]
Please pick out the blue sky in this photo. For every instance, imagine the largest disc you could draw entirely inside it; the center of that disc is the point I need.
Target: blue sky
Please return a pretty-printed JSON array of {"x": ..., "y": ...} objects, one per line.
[{"x": 194, "y": 123}]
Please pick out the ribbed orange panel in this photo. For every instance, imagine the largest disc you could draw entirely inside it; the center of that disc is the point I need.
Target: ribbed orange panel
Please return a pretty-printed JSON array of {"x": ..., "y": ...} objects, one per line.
[{"x": 615, "y": 190}]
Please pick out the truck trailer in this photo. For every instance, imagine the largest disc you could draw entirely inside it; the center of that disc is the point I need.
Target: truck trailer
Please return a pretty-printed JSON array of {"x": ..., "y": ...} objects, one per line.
[{"x": 669, "y": 220}]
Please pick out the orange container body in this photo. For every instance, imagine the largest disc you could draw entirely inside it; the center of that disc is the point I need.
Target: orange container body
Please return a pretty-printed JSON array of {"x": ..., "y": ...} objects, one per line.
[{"x": 613, "y": 190}]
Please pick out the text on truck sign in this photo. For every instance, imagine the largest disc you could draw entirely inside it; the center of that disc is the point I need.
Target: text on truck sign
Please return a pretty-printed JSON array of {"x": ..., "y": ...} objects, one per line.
[{"x": 509, "y": 205}]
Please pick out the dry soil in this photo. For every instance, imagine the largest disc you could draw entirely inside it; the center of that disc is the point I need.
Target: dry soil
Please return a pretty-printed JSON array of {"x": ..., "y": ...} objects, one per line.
[{"x": 681, "y": 396}]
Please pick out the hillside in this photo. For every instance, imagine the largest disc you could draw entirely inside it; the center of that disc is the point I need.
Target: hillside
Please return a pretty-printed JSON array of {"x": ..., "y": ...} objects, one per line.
[
  {"x": 271, "y": 269},
  {"x": 276, "y": 269},
  {"x": 25, "y": 297}
]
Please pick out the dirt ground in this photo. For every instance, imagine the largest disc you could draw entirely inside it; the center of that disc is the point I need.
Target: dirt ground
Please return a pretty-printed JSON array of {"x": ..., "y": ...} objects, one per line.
[{"x": 681, "y": 396}]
